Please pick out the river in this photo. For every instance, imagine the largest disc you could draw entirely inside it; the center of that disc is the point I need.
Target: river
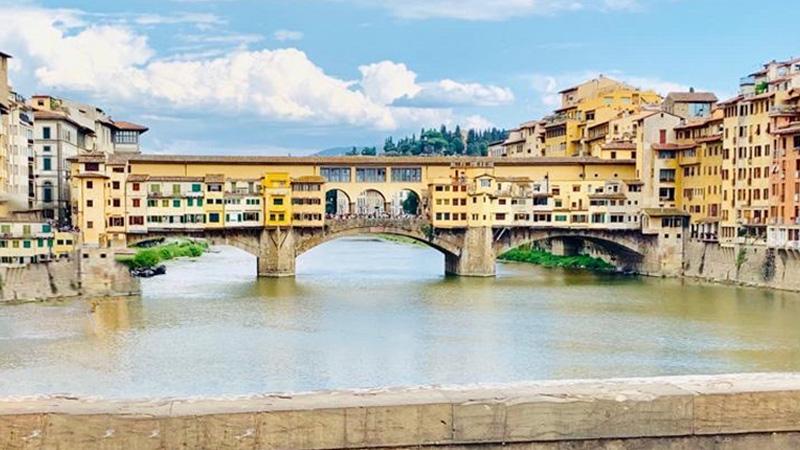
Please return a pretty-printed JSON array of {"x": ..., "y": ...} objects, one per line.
[{"x": 366, "y": 313}]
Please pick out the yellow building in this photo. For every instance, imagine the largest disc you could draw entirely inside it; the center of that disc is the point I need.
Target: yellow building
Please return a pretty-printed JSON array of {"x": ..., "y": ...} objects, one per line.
[
  {"x": 308, "y": 201},
  {"x": 25, "y": 238},
  {"x": 277, "y": 192},
  {"x": 699, "y": 177}
]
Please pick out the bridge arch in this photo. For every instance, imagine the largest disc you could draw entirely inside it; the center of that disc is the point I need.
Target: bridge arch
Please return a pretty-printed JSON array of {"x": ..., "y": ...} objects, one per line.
[
  {"x": 370, "y": 202},
  {"x": 411, "y": 228},
  {"x": 626, "y": 250},
  {"x": 337, "y": 202}
]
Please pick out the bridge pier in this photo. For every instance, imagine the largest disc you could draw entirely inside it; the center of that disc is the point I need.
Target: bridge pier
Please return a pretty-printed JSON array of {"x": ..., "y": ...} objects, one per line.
[
  {"x": 565, "y": 246},
  {"x": 277, "y": 253},
  {"x": 477, "y": 257}
]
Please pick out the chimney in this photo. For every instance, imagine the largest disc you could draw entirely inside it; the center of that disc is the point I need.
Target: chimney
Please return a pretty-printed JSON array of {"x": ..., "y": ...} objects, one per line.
[{"x": 691, "y": 89}]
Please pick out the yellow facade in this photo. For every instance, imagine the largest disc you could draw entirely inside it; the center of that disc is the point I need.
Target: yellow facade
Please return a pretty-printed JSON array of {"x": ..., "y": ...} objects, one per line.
[{"x": 277, "y": 192}]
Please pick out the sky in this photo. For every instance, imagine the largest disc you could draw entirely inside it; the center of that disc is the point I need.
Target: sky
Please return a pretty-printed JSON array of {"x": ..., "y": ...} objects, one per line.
[{"x": 293, "y": 77}]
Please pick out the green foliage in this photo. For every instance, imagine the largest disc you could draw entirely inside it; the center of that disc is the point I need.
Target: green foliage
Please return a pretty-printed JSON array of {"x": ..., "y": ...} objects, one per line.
[
  {"x": 444, "y": 142},
  {"x": 153, "y": 256},
  {"x": 741, "y": 257},
  {"x": 411, "y": 204},
  {"x": 543, "y": 258},
  {"x": 761, "y": 87}
]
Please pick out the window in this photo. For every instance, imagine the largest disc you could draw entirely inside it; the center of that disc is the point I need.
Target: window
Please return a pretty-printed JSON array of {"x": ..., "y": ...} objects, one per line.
[
  {"x": 176, "y": 189},
  {"x": 213, "y": 217},
  {"x": 91, "y": 167},
  {"x": 136, "y": 187},
  {"x": 47, "y": 164},
  {"x": 47, "y": 192},
  {"x": 176, "y": 203},
  {"x": 89, "y": 203},
  {"x": 26, "y": 244},
  {"x": 413, "y": 175},
  {"x": 46, "y": 148},
  {"x": 189, "y": 201},
  {"x": 197, "y": 188},
  {"x": 335, "y": 174},
  {"x": 136, "y": 202},
  {"x": 155, "y": 188},
  {"x": 45, "y": 132},
  {"x": 370, "y": 175},
  {"x": 126, "y": 137},
  {"x": 90, "y": 184},
  {"x": 90, "y": 224},
  {"x": 278, "y": 201},
  {"x": 115, "y": 185},
  {"x": 116, "y": 203},
  {"x": 46, "y": 228}
]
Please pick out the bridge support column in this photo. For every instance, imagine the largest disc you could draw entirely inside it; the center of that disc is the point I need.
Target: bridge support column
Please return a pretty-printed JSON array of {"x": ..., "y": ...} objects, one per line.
[
  {"x": 565, "y": 247},
  {"x": 477, "y": 258},
  {"x": 276, "y": 253}
]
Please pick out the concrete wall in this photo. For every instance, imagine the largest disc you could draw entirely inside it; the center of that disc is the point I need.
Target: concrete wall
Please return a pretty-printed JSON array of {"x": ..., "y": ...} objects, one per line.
[
  {"x": 87, "y": 273},
  {"x": 750, "y": 265},
  {"x": 40, "y": 281},
  {"x": 720, "y": 412}
]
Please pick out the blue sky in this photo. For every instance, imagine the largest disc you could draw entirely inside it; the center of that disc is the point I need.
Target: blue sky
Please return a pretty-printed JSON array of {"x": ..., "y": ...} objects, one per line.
[{"x": 294, "y": 76}]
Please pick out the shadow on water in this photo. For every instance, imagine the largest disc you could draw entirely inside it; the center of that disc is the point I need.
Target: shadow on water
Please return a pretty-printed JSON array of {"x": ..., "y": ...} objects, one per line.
[{"x": 365, "y": 312}]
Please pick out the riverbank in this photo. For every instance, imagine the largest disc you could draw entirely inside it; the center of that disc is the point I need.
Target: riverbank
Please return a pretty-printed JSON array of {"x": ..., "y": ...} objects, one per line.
[
  {"x": 546, "y": 259},
  {"x": 743, "y": 411},
  {"x": 151, "y": 257}
]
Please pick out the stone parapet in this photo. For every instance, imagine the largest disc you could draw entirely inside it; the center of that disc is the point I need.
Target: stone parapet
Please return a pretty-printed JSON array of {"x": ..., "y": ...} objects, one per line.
[{"x": 726, "y": 411}]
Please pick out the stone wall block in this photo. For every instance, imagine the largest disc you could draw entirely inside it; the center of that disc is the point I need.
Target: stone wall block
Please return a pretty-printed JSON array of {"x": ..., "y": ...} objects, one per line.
[{"x": 390, "y": 426}]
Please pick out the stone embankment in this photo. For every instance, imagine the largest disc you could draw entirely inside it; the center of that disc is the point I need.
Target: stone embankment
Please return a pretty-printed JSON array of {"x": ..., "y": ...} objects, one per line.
[
  {"x": 748, "y": 265},
  {"x": 89, "y": 272},
  {"x": 696, "y": 412}
]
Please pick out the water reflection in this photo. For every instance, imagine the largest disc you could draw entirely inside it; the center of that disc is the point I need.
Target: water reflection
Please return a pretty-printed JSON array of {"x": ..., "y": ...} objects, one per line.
[{"x": 366, "y": 313}]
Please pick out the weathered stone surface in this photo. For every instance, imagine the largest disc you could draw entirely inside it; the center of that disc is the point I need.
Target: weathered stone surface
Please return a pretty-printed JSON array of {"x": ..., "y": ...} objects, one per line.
[
  {"x": 302, "y": 430},
  {"x": 389, "y": 426},
  {"x": 720, "y": 412}
]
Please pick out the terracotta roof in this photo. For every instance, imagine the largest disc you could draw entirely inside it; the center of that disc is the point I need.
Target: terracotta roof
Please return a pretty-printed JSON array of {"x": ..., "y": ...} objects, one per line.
[
  {"x": 674, "y": 147},
  {"x": 138, "y": 177},
  {"x": 708, "y": 220},
  {"x": 791, "y": 129},
  {"x": 215, "y": 178},
  {"x": 309, "y": 179},
  {"x": 90, "y": 175},
  {"x": 694, "y": 123},
  {"x": 53, "y": 115},
  {"x": 712, "y": 138},
  {"x": 664, "y": 212},
  {"x": 129, "y": 126},
  {"x": 174, "y": 178},
  {"x": 5, "y": 55},
  {"x": 514, "y": 141},
  {"x": 619, "y": 145},
  {"x": 704, "y": 97},
  {"x": 634, "y": 182},
  {"x": 611, "y": 196},
  {"x": 365, "y": 160},
  {"x": 731, "y": 100},
  {"x": 759, "y": 96}
]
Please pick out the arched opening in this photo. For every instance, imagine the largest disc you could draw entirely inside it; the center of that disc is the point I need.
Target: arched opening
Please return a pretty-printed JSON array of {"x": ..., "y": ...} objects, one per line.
[
  {"x": 337, "y": 203},
  {"x": 371, "y": 203},
  {"x": 406, "y": 203}
]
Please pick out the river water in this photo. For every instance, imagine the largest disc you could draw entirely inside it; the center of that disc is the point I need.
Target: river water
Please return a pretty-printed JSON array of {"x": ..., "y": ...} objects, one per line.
[{"x": 366, "y": 313}]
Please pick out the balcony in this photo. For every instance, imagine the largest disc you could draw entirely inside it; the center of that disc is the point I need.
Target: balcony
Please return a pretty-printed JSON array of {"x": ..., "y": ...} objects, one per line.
[{"x": 747, "y": 81}]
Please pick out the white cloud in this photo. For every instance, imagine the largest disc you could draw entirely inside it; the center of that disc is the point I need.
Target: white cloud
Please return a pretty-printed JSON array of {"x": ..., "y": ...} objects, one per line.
[
  {"x": 192, "y": 18},
  {"x": 392, "y": 83},
  {"x": 492, "y": 9},
  {"x": 452, "y": 93},
  {"x": 287, "y": 35},
  {"x": 386, "y": 81},
  {"x": 115, "y": 63}
]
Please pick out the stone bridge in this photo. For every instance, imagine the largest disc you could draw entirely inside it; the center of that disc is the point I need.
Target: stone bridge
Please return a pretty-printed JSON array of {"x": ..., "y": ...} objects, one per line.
[{"x": 467, "y": 251}]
